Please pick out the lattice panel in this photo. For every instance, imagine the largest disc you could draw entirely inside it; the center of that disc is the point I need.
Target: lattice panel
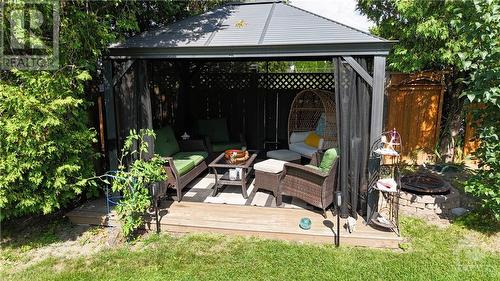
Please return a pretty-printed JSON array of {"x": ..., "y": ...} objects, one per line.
[
  {"x": 297, "y": 81},
  {"x": 276, "y": 81},
  {"x": 224, "y": 80}
]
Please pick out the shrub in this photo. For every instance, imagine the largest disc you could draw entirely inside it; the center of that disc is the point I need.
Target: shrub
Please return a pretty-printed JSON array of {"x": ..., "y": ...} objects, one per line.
[
  {"x": 133, "y": 181},
  {"x": 485, "y": 184},
  {"x": 45, "y": 145}
]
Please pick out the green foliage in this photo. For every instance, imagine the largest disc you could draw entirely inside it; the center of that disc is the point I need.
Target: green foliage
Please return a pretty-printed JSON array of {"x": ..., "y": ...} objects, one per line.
[
  {"x": 485, "y": 184},
  {"x": 426, "y": 40},
  {"x": 479, "y": 55},
  {"x": 133, "y": 182},
  {"x": 45, "y": 140},
  {"x": 45, "y": 146},
  {"x": 463, "y": 37}
]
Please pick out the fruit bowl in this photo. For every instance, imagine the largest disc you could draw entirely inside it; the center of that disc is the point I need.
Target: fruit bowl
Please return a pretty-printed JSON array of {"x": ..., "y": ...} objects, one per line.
[{"x": 236, "y": 156}]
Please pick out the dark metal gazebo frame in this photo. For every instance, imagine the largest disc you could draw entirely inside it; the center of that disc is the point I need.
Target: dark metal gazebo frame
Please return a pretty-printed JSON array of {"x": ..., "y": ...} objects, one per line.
[{"x": 267, "y": 31}]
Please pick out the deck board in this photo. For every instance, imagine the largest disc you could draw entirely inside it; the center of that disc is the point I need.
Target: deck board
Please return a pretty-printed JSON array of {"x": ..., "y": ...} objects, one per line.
[{"x": 264, "y": 222}]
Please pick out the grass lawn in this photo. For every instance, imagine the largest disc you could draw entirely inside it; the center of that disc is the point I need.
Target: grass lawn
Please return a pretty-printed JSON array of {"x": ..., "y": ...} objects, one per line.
[{"x": 431, "y": 253}]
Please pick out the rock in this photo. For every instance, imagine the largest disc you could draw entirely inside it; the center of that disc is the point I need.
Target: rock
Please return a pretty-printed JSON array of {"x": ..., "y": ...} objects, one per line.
[
  {"x": 431, "y": 206},
  {"x": 459, "y": 211}
]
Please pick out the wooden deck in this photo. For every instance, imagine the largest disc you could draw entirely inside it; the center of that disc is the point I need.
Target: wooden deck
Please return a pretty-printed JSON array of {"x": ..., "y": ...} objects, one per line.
[{"x": 271, "y": 223}]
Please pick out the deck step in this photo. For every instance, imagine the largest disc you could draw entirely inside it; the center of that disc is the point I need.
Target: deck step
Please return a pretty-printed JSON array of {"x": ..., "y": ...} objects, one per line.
[{"x": 264, "y": 222}]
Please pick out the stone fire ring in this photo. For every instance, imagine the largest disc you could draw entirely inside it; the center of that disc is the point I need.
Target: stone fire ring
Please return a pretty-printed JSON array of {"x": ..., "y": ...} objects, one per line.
[{"x": 413, "y": 204}]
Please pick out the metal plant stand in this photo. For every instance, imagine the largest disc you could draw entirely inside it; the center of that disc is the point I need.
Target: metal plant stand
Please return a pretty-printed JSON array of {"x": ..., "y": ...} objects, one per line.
[{"x": 385, "y": 183}]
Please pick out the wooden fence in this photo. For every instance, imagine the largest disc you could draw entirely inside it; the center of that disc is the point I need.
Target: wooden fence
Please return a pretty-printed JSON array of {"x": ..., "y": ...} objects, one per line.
[
  {"x": 414, "y": 106},
  {"x": 470, "y": 141}
]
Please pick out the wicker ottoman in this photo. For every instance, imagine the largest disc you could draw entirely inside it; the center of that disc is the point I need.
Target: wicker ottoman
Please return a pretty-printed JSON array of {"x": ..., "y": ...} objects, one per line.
[
  {"x": 284, "y": 155},
  {"x": 267, "y": 175}
]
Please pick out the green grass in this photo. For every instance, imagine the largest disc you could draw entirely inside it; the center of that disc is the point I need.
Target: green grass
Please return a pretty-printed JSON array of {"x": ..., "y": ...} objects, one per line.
[{"x": 430, "y": 253}]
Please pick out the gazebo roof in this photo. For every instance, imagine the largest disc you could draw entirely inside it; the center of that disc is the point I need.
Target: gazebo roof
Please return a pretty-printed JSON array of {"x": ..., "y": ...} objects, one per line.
[{"x": 256, "y": 29}]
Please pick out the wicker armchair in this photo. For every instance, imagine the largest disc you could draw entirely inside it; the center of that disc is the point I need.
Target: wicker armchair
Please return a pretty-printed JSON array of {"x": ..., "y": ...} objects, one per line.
[{"x": 309, "y": 183}]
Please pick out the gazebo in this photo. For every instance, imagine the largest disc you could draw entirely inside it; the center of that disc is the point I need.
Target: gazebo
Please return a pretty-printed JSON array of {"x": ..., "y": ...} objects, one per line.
[{"x": 258, "y": 31}]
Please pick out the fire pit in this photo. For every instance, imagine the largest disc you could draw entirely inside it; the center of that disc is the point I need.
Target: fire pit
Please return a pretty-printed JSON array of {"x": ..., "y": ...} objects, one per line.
[
  {"x": 424, "y": 194},
  {"x": 424, "y": 184}
]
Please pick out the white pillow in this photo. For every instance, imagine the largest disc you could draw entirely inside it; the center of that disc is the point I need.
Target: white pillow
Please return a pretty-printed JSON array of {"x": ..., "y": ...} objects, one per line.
[{"x": 298, "y": 136}]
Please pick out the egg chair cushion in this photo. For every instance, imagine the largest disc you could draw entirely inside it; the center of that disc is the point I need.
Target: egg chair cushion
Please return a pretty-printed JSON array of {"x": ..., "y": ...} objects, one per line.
[{"x": 303, "y": 149}]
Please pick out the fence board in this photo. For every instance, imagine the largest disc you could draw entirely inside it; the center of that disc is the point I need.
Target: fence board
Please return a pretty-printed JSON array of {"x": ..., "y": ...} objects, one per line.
[
  {"x": 414, "y": 105},
  {"x": 471, "y": 143}
]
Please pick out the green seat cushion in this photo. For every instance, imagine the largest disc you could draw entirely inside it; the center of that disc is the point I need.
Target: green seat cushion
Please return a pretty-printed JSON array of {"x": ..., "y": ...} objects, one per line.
[
  {"x": 219, "y": 147},
  {"x": 196, "y": 156},
  {"x": 328, "y": 159},
  {"x": 215, "y": 129},
  {"x": 183, "y": 166},
  {"x": 165, "y": 142}
]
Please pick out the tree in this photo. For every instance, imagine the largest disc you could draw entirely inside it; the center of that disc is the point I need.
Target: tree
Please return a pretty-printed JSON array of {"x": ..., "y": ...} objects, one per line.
[
  {"x": 479, "y": 54},
  {"x": 461, "y": 37},
  {"x": 427, "y": 41},
  {"x": 45, "y": 139}
]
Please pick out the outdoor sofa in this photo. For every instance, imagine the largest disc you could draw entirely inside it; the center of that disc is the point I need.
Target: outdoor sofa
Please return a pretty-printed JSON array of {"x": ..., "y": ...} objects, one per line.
[
  {"x": 185, "y": 162},
  {"x": 216, "y": 136}
]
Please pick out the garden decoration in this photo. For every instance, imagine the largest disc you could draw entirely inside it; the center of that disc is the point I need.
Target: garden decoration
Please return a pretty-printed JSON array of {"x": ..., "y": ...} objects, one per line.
[
  {"x": 351, "y": 224},
  {"x": 388, "y": 148},
  {"x": 385, "y": 184},
  {"x": 305, "y": 223}
]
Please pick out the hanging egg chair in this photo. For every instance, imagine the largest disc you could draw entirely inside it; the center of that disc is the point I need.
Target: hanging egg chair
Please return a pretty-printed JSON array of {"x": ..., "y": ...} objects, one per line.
[{"x": 312, "y": 111}]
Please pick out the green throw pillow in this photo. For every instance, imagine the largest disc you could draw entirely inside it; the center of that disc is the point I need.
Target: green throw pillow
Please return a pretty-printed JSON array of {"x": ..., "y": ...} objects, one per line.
[
  {"x": 165, "y": 142},
  {"x": 328, "y": 159},
  {"x": 216, "y": 129}
]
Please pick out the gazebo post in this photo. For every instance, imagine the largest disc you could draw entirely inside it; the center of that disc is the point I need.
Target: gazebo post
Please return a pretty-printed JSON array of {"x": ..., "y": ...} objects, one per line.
[
  {"x": 109, "y": 105},
  {"x": 377, "y": 112}
]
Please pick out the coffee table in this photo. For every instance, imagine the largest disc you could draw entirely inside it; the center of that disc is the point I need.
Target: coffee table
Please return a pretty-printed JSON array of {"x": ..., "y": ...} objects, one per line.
[{"x": 246, "y": 169}]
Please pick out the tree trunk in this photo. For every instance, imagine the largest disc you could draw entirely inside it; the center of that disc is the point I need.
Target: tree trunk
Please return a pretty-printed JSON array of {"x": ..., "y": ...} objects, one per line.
[{"x": 452, "y": 119}]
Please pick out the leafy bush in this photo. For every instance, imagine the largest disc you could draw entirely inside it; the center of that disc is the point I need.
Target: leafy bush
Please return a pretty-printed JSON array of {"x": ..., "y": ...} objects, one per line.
[
  {"x": 133, "y": 182},
  {"x": 485, "y": 184},
  {"x": 45, "y": 145},
  {"x": 479, "y": 55}
]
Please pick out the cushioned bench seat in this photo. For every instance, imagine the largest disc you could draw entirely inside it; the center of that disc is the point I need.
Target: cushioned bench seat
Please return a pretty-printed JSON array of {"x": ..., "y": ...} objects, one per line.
[
  {"x": 183, "y": 166},
  {"x": 216, "y": 134},
  {"x": 196, "y": 156}
]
